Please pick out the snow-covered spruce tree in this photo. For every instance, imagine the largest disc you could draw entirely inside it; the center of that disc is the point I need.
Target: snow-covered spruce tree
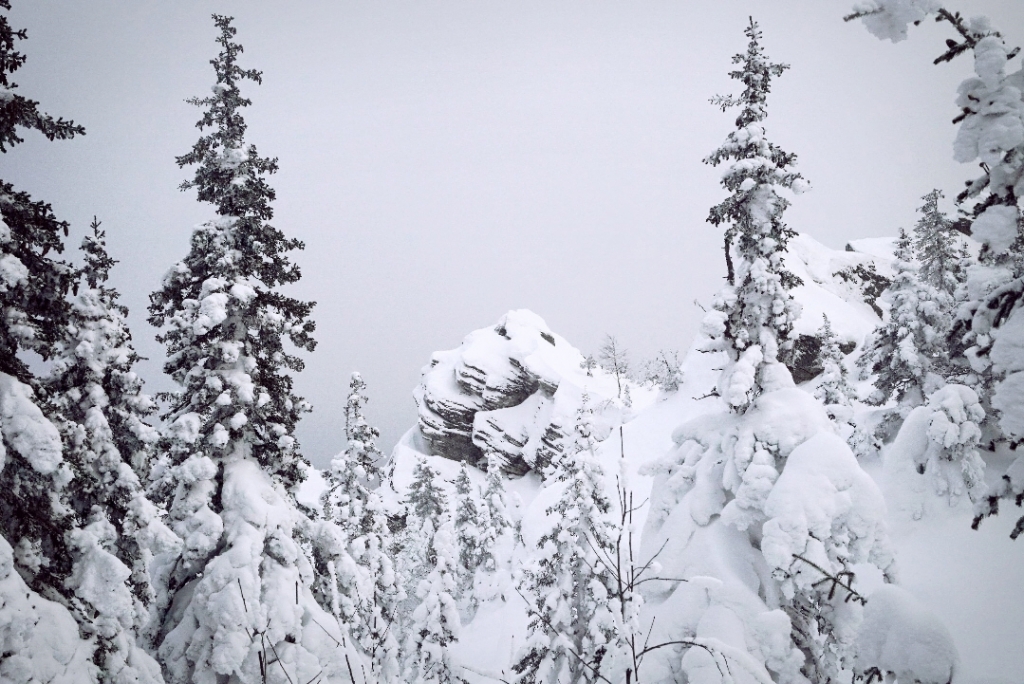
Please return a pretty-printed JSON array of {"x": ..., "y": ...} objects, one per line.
[
  {"x": 47, "y": 629},
  {"x": 95, "y": 399},
  {"x": 434, "y": 626},
  {"x": 941, "y": 255},
  {"x": 753, "y": 315},
  {"x": 355, "y": 574},
  {"x": 495, "y": 512},
  {"x": 572, "y": 621},
  {"x": 236, "y": 602},
  {"x": 834, "y": 389},
  {"x": 989, "y": 324},
  {"x": 908, "y": 352},
  {"x": 426, "y": 509},
  {"x": 778, "y": 487},
  {"x": 33, "y": 316},
  {"x": 62, "y": 487},
  {"x": 426, "y": 501},
  {"x": 468, "y": 518}
]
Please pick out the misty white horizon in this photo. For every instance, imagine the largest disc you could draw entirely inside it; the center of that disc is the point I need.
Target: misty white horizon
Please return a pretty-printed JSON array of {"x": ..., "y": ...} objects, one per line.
[{"x": 448, "y": 161}]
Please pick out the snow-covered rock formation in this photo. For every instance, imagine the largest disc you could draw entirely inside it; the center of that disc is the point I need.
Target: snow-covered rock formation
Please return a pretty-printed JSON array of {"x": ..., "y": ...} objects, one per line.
[
  {"x": 732, "y": 535},
  {"x": 512, "y": 389}
]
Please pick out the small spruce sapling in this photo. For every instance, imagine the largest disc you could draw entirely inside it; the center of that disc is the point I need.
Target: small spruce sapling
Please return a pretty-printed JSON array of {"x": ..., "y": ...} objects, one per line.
[
  {"x": 468, "y": 532},
  {"x": 908, "y": 352},
  {"x": 495, "y": 515},
  {"x": 354, "y": 472},
  {"x": 834, "y": 391},
  {"x": 357, "y": 569},
  {"x": 938, "y": 250},
  {"x": 426, "y": 509},
  {"x": 434, "y": 627},
  {"x": 572, "y": 622}
]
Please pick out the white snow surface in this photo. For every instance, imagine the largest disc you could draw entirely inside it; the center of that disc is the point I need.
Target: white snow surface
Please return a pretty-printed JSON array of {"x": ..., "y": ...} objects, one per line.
[
  {"x": 900, "y": 635},
  {"x": 39, "y": 640},
  {"x": 960, "y": 590},
  {"x": 24, "y": 428}
]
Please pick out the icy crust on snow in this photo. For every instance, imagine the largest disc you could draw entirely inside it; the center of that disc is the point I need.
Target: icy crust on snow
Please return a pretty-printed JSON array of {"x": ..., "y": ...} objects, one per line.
[
  {"x": 514, "y": 389},
  {"x": 39, "y": 639},
  {"x": 901, "y": 636},
  {"x": 25, "y": 429},
  {"x": 253, "y": 600}
]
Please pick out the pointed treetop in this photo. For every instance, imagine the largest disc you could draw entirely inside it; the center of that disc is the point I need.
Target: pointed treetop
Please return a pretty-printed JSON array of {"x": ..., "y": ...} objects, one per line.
[
  {"x": 936, "y": 246},
  {"x": 98, "y": 261},
  {"x": 229, "y": 174},
  {"x": 904, "y": 250},
  {"x": 756, "y": 76}
]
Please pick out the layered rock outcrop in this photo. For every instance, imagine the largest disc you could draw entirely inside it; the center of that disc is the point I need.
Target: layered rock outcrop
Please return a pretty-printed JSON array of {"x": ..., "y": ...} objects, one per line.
[{"x": 512, "y": 389}]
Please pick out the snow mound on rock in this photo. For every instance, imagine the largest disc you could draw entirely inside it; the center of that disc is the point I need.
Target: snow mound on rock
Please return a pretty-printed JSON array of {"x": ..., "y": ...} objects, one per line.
[
  {"x": 514, "y": 389},
  {"x": 901, "y": 636}
]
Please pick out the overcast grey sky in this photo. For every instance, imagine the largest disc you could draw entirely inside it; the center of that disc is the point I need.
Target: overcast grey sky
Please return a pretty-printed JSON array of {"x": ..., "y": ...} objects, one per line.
[{"x": 447, "y": 161}]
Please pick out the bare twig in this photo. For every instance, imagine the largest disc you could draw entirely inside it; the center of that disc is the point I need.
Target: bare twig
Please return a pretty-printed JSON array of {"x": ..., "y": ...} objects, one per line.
[
  {"x": 837, "y": 581},
  {"x": 571, "y": 651},
  {"x": 279, "y": 662}
]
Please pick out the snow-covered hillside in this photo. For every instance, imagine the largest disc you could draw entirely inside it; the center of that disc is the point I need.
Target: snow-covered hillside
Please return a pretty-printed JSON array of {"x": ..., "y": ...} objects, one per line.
[{"x": 724, "y": 552}]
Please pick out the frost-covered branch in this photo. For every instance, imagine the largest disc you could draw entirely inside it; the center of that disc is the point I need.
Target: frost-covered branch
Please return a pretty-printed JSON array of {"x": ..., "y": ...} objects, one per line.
[{"x": 842, "y": 580}]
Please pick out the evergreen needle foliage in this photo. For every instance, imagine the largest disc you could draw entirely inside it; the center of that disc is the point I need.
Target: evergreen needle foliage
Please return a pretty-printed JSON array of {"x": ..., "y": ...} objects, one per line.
[{"x": 753, "y": 316}]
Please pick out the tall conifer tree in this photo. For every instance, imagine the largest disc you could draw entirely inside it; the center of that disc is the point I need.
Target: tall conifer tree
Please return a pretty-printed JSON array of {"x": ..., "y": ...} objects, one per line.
[
  {"x": 95, "y": 399},
  {"x": 237, "y": 601},
  {"x": 754, "y": 314},
  {"x": 33, "y": 286},
  {"x": 74, "y": 521}
]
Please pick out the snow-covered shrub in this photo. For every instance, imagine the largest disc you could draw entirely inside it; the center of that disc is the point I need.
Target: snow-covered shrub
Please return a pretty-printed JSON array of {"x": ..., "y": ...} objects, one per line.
[
  {"x": 899, "y": 637},
  {"x": 774, "y": 487},
  {"x": 938, "y": 444}
]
